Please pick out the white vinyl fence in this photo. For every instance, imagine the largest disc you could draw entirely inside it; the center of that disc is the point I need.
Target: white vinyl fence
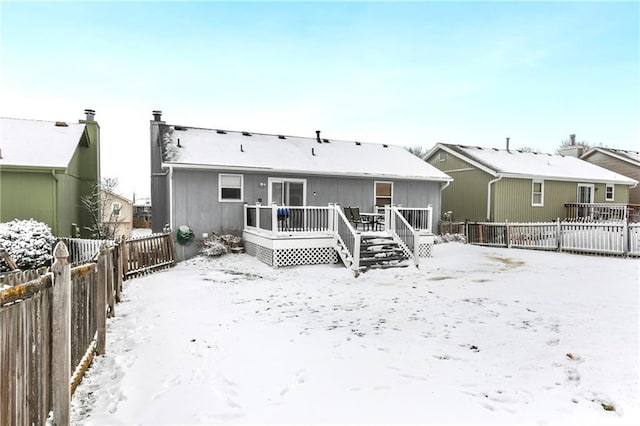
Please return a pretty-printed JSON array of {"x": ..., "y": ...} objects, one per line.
[{"x": 612, "y": 238}]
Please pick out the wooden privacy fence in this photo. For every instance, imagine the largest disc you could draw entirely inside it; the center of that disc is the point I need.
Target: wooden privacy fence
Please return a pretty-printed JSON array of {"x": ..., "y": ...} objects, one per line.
[
  {"x": 51, "y": 326},
  {"x": 611, "y": 238}
]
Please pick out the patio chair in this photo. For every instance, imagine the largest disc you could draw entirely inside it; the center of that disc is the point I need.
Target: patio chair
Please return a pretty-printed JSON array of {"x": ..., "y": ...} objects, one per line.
[{"x": 359, "y": 220}]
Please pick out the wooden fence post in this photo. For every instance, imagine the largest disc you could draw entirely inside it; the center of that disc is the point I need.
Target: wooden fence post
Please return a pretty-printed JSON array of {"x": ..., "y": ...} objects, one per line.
[
  {"x": 101, "y": 303},
  {"x": 559, "y": 234},
  {"x": 110, "y": 282},
  {"x": 118, "y": 269},
  {"x": 61, "y": 336}
]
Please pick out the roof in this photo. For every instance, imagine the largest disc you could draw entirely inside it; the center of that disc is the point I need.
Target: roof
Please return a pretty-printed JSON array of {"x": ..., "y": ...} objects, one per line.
[
  {"x": 632, "y": 157},
  {"x": 38, "y": 143},
  {"x": 233, "y": 150},
  {"x": 521, "y": 164}
]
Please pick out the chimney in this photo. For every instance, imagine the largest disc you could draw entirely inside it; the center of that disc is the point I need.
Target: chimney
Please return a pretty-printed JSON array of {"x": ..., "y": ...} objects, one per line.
[
  {"x": 157, "y": 115},
  {"x": 572, "y": 137},
  {"x": 508, "y": 144},
  {"x": 318, "y": 136},
  {"x": 90, "y": 114}
]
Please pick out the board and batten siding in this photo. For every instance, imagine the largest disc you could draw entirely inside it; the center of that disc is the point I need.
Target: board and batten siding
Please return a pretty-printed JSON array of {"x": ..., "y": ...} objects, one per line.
[
  {"x": 619, "y": 166},
  {"x": 28, "y": 195},
  {"x": 195, "y": 197},
  {"x": 466, "y": 196}
]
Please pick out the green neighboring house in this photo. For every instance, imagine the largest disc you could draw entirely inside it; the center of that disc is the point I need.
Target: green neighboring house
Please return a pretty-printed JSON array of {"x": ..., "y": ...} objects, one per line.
[
  {"x": 509, "y": 185},
  {"x": 45, "y": 169},
  {"x": 618, "y": 160}
]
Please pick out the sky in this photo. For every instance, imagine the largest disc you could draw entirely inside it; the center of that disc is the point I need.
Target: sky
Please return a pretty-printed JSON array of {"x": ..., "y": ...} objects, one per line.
[{"x": 411, "y": 73}]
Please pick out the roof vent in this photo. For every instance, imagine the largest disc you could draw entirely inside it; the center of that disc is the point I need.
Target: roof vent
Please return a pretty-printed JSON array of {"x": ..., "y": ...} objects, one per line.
[
  {"x": 385, "y": 145},
  {"x": 313, "y": 151},
  {"x": 241, "y": 148},
  {"x": 221, "y": 132},
  {"x": 318, "y": 136},
  {"x": 358, "y": 143},
  {"x": 479, "y": 147},
  {"x": 246, "y": 134},
  {"x": 179, "y": 146},
  {"x": 281, "y": 137},
  {"x": 325, "y": 140},
  {"x": 157, "y": 115},
  {"x": 181, "y": 128},
  {"x": 90, "y": 114},
  {"x": 61, "y": 124}
]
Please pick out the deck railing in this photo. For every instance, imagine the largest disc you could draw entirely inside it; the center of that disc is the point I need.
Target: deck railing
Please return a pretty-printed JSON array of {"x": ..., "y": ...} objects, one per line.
[
  {"x": 602, "y": 212},
  {"x": 403, "y": 230},
  {"x": 348, "y": 238},
  {"x": 420, "y": 219}
]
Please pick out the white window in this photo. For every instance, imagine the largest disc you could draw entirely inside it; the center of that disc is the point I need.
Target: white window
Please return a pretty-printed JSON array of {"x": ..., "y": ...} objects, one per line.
[
  {"x": 609, "y": 192},
  {"x": 115, "y": 209},
  {"x": 537, "y": 193},
  {"x": 442, "y": 156},
  {"x": 287, "y": 191},
  {"x": 383, "y": 194},
  {"x": 230, "y": 187}
]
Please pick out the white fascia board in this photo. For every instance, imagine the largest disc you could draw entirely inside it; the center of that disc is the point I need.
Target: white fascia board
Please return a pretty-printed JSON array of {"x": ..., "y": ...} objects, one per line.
[
  {"x": 610, "y": 154},
  {"x": 465, "y": 159},
  {"x": 299, "y": 172},
  {"x": 569, "y": 179}
]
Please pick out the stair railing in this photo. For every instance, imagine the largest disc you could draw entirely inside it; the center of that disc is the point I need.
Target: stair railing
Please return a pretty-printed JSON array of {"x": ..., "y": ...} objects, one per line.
[
  {"x": 404, "y": 233},
  {"x": 348, "y": 239}
]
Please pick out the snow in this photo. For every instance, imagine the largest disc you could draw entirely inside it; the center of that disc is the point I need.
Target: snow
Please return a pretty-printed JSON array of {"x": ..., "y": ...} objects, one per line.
[
  {"x": 38, "y": 143},
  {"x": 530, "y": 164},
  {"x": 477, "y": 335},
  {"x": 233, "y": 150}
]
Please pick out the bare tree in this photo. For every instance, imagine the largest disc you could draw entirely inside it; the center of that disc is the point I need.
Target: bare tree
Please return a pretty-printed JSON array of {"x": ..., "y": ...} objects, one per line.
[
  {"x": 417, "y": 150},
  {"x": 104, "y": 215}
]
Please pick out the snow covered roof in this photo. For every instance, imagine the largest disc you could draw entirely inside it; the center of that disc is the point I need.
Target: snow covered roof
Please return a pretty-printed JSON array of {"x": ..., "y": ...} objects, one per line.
[
  {"x": 196, "y": 147},
  {"x": 632, "y": 157},
  {"x": 38, "y": 143},
  {"x": 514, "y": 163}
]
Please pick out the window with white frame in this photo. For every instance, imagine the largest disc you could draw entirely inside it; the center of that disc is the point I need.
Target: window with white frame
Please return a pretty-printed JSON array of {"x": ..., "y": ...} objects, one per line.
[
  {"x": 115, "y": 209},
  {"x": 442, "y": 156},
  {"x": 609, "y": 192},
  {"x": 383, "y": 194},
  {"x": 230, "y": 187},
  {"x": 537, "y": 193}
]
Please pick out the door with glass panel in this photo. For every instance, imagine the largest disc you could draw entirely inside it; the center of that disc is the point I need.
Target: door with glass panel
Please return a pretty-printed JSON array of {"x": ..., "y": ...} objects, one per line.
[
  {"x": 290, "y": 193},
  {"x": 585, "y": 196}
]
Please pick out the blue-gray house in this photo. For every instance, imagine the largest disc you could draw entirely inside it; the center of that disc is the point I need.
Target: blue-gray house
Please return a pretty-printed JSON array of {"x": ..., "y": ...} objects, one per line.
[{"x": 223, "y": 181}]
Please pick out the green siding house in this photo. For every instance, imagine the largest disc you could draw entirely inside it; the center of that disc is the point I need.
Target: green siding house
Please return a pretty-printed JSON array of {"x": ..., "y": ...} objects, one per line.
[
  {"x": 509, "y": 185},
  {"x": 621, "y": 161},
  {"x": 45, "y": 168}
]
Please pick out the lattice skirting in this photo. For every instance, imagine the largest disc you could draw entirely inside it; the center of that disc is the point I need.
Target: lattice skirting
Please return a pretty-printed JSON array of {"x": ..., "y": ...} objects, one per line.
[
  {"x": 262, "y": 253},
  {"x": 424, "y": 250},
  {"x": 306, "y": 256}
]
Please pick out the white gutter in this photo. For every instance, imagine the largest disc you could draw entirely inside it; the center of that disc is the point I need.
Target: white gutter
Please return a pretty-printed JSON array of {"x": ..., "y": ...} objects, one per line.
[
  {"x": 171, "y": 198},
  {"x": 491, "y": 182},
  {"x": 447, "y": 183}
]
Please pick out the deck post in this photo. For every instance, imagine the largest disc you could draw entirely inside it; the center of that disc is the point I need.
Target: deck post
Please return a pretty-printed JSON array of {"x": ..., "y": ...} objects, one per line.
[
  {"x": 61, "y": 336},
  {"x": 244, "y": 216},
  {"x": 331, "y": 217},
  {"x": 274, "y": 219},
  {"x": 559, "y": 234},
  {"x": 258, "y": 215},
  {"x": 625, "y": 237},
  {"x": 507, "y": 234}
]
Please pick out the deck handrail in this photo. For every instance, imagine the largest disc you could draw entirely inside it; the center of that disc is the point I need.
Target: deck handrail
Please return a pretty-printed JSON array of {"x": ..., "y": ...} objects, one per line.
[
  {"x": 403, "y": 231},
  {"x": 420, "y": 218},
  {"x": 347, "y": 236}
]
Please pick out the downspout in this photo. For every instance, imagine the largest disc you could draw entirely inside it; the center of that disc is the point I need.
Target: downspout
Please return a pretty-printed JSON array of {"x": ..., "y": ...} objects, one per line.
[
  {"x": 491, "y": 182},
  {"x": 55, "y": 203},
  {"x": 447, "y": 183}
]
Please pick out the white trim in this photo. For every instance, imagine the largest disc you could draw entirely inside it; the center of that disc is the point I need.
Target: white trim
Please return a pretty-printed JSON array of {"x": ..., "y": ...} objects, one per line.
[
  {"x": 171, "y": 207},
  {"x": 613, "y": 191},
  {"x": 234, "y": 200},
  {"x": 613, "y": 154},
  {"x": 533, "y": 193},
  {"x": 224, "y": 168},
  {"x": 461, "y": 157},
  {"x": 375, "y": 195},
  {"x": 585, "y": 185},
  {"x": 283, "y": 180}
]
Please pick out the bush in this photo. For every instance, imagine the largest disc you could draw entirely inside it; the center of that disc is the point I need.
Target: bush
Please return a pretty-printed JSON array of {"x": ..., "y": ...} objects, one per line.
[
  {"x": 217, "y": 245},
  {"x": 28, "y": 242},
  {"x": 446, "y": 238}
]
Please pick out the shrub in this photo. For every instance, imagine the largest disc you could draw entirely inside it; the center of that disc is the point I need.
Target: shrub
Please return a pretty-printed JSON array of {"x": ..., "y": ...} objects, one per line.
[
  {"x": 217, "y": 245},
  {"x": 28, "y": 242}
]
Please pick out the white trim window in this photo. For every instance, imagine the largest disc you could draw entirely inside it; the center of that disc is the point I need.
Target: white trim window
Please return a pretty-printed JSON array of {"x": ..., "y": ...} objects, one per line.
[
  {"x": 383, "y": 194},
  {"x": 609, "y": 192},
  {"x": 585, "y": 193},
  {"x": 230, "y": 188},
  {"x": 287, "y": 191},
  {"x": 537, "y": 193},
  {"x": 115, "y": 208}
]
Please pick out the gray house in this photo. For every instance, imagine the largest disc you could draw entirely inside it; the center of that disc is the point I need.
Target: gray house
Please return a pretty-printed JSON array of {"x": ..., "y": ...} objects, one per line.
[{"x": 254, "y": 184}]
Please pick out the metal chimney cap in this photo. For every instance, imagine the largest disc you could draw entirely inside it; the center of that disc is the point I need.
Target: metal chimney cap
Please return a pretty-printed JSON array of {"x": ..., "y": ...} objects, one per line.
[
  {"x": 90, "y": 114},
  {"x": 157, "y": 115}
]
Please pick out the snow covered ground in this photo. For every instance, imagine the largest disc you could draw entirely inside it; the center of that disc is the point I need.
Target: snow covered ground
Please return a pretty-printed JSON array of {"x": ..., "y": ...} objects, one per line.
[{"x": 475, "y": 336}]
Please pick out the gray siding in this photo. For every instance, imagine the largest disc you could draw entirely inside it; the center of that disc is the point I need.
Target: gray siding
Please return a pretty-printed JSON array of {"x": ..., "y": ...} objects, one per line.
[
  {"x": 619, "y": 166},
  {"x": 195, "y": 197}
]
